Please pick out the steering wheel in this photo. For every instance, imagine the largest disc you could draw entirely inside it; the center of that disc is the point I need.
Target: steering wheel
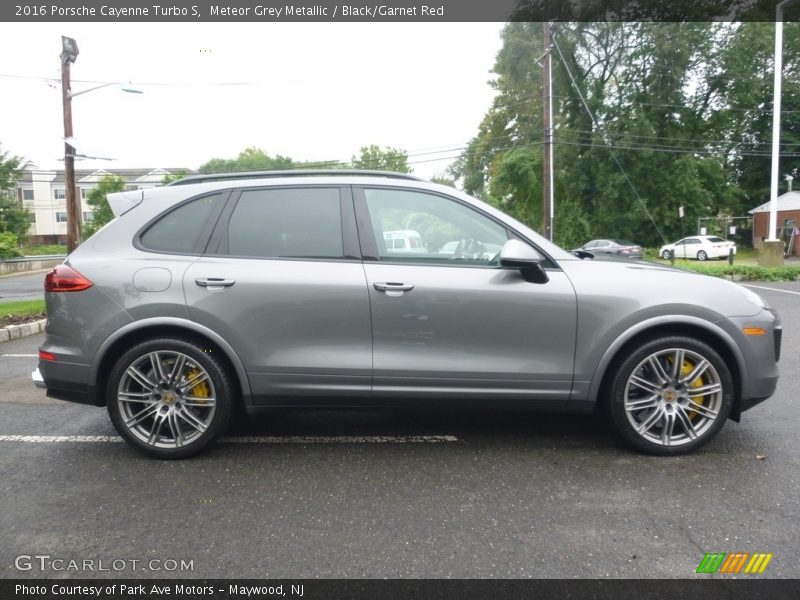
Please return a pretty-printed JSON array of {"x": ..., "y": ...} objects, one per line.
[{"x": 468, "y": 248}]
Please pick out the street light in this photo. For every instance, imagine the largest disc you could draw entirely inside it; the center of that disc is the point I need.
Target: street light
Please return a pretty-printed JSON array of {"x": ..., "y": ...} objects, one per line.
[
  {"x": 69, "y": 52},
  {"x": 772, "y": 245}
]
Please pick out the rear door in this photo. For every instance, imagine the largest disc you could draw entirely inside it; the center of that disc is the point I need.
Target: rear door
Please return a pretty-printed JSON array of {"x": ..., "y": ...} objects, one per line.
[
  {"x": 282, "y": 281},
  {"x": 456, "y": 324}
]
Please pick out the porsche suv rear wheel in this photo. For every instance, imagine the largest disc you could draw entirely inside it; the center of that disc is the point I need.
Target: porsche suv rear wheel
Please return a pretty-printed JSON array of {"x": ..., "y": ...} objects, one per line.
[{"x": 169, "y": 397}]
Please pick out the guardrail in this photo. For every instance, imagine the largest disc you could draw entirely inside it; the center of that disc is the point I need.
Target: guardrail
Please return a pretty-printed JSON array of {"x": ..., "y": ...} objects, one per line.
[{"x": 30, "y": 263}]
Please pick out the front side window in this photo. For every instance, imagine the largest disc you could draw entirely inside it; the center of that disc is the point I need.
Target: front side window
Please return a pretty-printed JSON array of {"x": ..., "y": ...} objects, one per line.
[
  {"x": 179, "y": 230},
  {"x": 420, "y": 227},
  {"x": 287, "y": 223}
]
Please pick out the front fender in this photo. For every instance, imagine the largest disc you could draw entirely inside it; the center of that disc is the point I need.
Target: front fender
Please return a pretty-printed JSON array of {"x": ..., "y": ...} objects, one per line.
[{"x": 661, "y": 322}]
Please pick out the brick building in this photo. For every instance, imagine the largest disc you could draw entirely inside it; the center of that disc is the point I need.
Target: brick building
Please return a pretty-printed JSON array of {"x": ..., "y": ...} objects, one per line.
[{"x": 788, "y": 221}]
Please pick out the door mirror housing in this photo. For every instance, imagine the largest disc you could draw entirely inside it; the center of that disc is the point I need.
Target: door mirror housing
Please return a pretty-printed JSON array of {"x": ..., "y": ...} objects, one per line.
[{"x": 519, "y": 255}]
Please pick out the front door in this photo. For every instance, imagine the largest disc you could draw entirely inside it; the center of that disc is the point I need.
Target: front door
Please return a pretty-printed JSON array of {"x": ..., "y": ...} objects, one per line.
[{"x": 447, "y": 320}]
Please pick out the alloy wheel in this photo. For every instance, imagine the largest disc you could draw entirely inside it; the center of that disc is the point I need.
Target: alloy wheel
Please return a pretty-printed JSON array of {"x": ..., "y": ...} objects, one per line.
[
  {"x": 673, "y": 397},
  {"x": 166, "y": 399}
]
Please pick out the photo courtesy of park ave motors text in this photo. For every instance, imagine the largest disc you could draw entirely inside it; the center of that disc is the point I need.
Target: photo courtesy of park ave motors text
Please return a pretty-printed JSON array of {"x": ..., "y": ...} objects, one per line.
[{"x": 406, "y": 298}]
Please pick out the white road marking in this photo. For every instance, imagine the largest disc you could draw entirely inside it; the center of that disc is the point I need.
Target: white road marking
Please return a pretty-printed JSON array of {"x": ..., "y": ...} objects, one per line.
[
  {"x": 19, "y": 356},
  {"x": 254, "y": 439},
  {"x": 761, "y": 287}
]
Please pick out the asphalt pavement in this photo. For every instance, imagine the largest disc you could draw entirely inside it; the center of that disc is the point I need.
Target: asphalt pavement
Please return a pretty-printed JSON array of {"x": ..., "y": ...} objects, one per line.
[
  {"x": 22, "y": 287},
  {"x": 508, "y": 494}
]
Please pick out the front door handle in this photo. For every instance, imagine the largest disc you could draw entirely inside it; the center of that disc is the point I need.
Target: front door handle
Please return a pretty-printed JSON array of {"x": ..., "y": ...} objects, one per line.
[
  {"x": 390, "y": 286},
  {"x": 214, "y": 283}
]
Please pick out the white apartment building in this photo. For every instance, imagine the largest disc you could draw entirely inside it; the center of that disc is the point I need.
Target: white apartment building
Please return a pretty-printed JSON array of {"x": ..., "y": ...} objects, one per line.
[{"x": 43, "y": 193}]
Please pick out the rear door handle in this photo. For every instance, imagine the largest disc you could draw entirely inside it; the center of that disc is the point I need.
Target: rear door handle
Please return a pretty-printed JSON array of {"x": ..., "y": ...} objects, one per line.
[
  {"x": 390, "y": 286},
  {"x": 214, "y": 283}
]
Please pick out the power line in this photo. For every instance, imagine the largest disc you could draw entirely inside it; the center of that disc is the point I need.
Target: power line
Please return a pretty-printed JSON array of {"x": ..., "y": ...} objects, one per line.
[
  {"x": 667, "y": 149},
  {"x": 721, "y": 109}
]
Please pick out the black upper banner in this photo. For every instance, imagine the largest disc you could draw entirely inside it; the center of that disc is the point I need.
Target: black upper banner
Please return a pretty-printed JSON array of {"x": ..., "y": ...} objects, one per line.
[{"x": 391, "y": 10}]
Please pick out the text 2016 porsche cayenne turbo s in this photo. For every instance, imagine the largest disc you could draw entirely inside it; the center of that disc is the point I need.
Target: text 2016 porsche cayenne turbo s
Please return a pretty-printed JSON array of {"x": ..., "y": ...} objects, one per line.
[{"x": 264, "y": 290}]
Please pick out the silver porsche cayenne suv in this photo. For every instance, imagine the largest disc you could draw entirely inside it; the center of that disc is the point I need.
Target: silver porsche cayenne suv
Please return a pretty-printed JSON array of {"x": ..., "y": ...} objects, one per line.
[{"x": 245, "y": 292}]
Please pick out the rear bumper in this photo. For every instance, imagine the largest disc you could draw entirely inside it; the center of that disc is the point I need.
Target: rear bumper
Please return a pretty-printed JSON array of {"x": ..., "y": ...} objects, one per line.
[
  {"x": 38, "y": 381},
  {"x": 65, "y": 381}
]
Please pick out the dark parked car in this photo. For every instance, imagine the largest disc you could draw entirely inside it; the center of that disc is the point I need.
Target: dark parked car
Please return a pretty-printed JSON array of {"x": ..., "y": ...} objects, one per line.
[
  {"x": 251, "y": 291},
  {"x": 618, "y": 247}
]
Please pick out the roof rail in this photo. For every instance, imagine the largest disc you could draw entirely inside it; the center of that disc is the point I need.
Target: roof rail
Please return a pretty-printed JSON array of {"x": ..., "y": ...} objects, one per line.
[{"x": 291, "y": 173}]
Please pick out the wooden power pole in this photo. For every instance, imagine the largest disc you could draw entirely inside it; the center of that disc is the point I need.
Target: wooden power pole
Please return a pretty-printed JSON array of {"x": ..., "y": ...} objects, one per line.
[
  {"x": 548, "y": 135},
  {"x": 68, "y": 56}
]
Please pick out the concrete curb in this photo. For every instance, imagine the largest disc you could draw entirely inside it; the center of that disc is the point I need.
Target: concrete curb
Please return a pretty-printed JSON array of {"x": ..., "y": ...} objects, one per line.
[{"x": 15, "y": 332}]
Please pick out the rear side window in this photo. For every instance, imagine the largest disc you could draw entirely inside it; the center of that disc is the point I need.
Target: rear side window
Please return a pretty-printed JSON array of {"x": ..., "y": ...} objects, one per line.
[
  {"x": 287, "y": 223},
  {"x": 179, "y": 230}
]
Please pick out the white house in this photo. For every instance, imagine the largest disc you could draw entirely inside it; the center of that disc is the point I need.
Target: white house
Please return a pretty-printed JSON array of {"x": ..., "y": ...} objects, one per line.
[{"x": 43, "y": 193}]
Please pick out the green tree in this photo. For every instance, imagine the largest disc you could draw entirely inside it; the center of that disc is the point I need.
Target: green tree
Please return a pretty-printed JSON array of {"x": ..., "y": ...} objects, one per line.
[
  {"x": 443, "y": 179},
  {"x": 680, "y": 118},
  {"x": 249, "y": 159},
  {"x": 14, "y": 220},
  {"x": 179, "y": 174},
  {"x": 386, "y": 159},
  {"x": 96, "y": 198}
]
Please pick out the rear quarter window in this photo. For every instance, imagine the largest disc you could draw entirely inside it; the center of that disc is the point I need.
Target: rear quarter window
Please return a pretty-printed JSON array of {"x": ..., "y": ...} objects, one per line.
[{"x": 179, "y": 229}]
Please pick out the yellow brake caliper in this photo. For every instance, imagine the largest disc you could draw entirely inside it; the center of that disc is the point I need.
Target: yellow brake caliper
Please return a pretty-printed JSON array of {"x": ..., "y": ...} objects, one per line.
[
  {"x": 686, "y": 368},
  {"x": 199, "y": 390}
]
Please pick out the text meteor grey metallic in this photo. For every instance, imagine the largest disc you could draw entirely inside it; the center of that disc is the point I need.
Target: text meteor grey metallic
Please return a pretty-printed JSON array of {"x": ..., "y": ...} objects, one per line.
[{"x": 354, "y": 288}]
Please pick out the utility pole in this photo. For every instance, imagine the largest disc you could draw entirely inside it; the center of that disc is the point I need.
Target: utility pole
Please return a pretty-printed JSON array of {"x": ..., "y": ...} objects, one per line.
[
  {"x": 548, "y": 135},
  {"x": 68, "y": 55}
]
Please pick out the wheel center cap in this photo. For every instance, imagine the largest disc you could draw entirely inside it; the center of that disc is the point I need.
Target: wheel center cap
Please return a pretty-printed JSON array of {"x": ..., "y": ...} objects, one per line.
[
  {"x": 670, "y": 395},
  {"x": 169, "y": 398}
]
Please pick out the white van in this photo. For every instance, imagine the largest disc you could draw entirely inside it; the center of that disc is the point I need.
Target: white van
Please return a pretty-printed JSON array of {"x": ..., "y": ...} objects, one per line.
[{"x": 406, "y": 241}]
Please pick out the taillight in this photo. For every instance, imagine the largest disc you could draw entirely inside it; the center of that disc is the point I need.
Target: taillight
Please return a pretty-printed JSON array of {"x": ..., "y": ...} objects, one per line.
[
  {"x": 65, "y": 279},
  {"x": 46, "y": 355}
]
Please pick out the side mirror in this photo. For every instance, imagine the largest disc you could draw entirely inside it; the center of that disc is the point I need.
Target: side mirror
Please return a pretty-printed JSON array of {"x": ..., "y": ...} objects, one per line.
[{"x": 519, "y": 255}]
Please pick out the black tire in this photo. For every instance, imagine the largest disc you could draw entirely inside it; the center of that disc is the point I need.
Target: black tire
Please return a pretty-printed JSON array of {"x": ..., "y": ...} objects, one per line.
[
  {"x": 702, "y": 255},
  {"x": 665, "y": 255},
  {"x": 205, "y": 419},
  {"x": 637, "y": 362}
]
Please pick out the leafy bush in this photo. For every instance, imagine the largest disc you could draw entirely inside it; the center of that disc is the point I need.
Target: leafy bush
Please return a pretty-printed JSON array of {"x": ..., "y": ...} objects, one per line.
[
  {"x": 744, "y": 272},
  {"x": 9, "y": 245}
]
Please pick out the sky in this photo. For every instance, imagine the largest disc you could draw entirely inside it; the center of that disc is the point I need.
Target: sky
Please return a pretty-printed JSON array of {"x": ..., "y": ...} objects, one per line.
[{"x": 310, "y": 91}]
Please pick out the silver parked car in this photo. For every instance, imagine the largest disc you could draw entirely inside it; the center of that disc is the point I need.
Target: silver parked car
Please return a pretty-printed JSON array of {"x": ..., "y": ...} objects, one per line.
[
  {"x": 617, "y": 247},
  {"x": 251, "y": 291}
]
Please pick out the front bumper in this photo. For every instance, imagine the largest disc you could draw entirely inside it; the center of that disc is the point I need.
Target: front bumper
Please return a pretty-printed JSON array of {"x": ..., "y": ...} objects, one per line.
[{"x": 760, "y": 355}]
